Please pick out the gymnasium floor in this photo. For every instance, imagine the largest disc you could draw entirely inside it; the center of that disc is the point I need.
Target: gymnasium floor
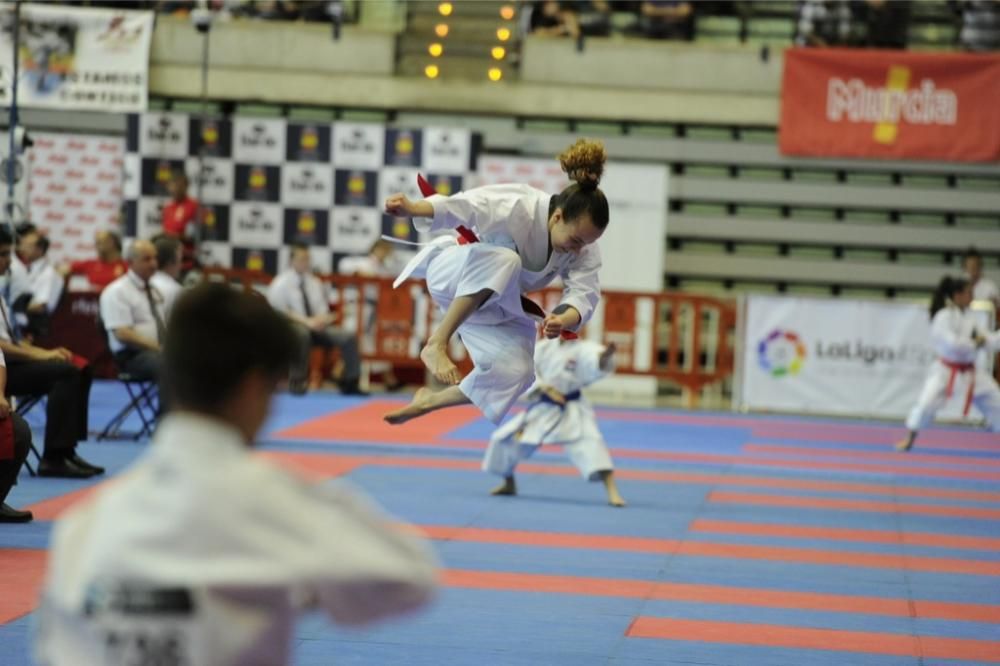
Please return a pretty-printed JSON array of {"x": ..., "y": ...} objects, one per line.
[{"x": 747, "y": 540}]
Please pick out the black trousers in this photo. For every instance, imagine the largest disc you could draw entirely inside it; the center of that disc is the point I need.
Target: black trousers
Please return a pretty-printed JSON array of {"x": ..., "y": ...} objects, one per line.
[
  {"x": 9, "y": 468},
  {"x": 143, "y": 365},
  {"x": 67, "y": 389}
]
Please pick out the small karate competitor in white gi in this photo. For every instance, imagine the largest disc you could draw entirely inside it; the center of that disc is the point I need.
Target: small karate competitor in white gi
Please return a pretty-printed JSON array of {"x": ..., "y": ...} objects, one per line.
[{"x": 558, "y": 414}]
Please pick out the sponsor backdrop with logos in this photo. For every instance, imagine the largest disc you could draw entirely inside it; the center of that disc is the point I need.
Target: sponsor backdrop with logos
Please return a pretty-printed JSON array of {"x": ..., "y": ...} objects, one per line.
[
  {"x": 268, "y": 182},
  {"x": 77, "y": 58},
  {"x": 857, "y": 358},
  {"x": 74, "y": 189}
]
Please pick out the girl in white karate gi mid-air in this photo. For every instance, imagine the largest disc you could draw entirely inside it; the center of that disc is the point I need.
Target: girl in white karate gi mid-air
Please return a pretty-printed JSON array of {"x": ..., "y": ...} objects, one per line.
[
  {"x": 558, "y": 414},
  {"x": 511, "y": 239},
  {"x": 957, "y": 338}
]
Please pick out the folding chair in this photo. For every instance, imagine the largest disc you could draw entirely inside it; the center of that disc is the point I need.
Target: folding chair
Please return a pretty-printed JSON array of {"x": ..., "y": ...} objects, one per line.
[
  {"x": 144, "y": 399},
  {"x": 23, "y": 405}
]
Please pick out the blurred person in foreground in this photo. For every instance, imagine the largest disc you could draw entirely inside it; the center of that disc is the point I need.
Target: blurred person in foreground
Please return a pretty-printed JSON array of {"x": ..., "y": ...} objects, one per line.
[{"x": 203, "y": 553}]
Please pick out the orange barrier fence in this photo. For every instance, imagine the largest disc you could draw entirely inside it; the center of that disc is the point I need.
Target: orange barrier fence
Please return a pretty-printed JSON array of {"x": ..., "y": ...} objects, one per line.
[{"x": 681, "y": 338}]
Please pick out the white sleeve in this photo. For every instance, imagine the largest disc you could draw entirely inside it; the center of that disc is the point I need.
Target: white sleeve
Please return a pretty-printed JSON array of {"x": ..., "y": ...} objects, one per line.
[
  {"x": 481, "y": 209},
  {"x": 277, "y": 294},
  {"x": 3, "y": 360},
  {"x": 946, "y": 341},
  {"x": 48, "y": 288},
  {"x": 581, "y": 283},
  {"x": 115, "y": 312},
  {"x": 588, "y": 362},
  {"x": 365, "y": 567}
]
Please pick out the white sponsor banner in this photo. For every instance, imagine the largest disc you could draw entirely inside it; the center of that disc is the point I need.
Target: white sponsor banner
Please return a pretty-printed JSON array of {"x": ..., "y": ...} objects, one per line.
[
  {"x": 259, "y": 140},
  {"x": 446, "y": 150},
  {"x": 307, "y": 185},
  {"x": 358, "y": 146},
  {"x": 216, "y": 179},
  {"x": 837, "y": 356},
  {"x": 164, "y": 135},
  {"x": 75, "y": 188},
  {"x": 353, "y": 229},
  {"x": 256, "y": 224},
  {"x": 76, "y": 58}
]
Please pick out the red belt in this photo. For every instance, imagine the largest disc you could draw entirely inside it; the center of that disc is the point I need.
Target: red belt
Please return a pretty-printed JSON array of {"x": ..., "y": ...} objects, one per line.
[
  {"x": 956, "y": 368},
  {"x": 467, "y": 236}
]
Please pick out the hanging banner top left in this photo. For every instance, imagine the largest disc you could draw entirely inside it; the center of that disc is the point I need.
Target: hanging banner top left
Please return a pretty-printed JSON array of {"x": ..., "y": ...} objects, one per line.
[{"x": 77, "y": 58}]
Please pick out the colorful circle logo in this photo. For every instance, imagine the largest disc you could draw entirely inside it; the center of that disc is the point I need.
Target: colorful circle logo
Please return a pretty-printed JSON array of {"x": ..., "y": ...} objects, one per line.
[{"x": 781, "y": 353}]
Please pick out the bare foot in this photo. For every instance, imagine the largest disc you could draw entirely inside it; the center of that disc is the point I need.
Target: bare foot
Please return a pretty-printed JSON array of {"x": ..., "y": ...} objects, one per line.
[
  {"x": 417, "y": 407},
  {"x": 508, "y": 487},
  {"x": 614, "y": 499},
  {"x": 435, "y": 357},
  {"x": 904, "y": 445}
]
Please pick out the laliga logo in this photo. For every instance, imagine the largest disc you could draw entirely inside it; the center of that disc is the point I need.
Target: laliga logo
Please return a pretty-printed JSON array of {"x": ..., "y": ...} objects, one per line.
[
  {"x": 889, "y": 106},
  {"x": 445, "y": 147},
  {"x": 781, "y": 353},
  {"x": 165, "y": 132},
  {"x": 258, "y": 137}
]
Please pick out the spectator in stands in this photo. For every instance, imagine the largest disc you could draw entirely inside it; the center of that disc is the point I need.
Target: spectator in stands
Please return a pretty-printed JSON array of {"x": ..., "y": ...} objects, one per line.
[
  {"x": 548, "y": 17},
  {"x": 983, "y": 288},
  {"x": 303, "y": 297},
  {"x": 58, "y": 374},
  {"x": 169, "y": 255},
  {"x": 594, "y": 16},
  {"x": 884, "y": 22},
  {"x": 180, "y": 217},
  {"x": 823, "y": 23},
  {"x": 13, "y": 453},
  {"x": 134, "y": 315},
  {"x": 980, "y": 25},
  {"x": 108, "y": 266},
  {"x": 665, "y": 19}
]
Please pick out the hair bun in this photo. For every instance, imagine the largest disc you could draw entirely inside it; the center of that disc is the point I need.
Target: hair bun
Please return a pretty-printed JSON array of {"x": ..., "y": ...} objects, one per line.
[{"x": 584, "y": 162}]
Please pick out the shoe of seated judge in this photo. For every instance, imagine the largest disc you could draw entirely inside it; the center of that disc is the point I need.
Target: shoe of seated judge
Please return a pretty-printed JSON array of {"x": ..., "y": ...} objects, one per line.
[
  {"x": 63, "y": 468},
  {"x": 9, "y": 514},
  {"x": 83, "y": 464},
  {"x": 352, "y": 387}
]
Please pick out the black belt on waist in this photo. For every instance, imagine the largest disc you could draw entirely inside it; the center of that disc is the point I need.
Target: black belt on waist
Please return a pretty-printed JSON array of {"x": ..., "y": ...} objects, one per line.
[{"x": 569, "y": 397}]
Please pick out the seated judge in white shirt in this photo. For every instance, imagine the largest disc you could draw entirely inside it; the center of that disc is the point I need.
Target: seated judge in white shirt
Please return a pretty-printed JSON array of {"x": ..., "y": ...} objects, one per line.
[
  {"x": 44, "y": 281},
  {"x": 204, "y": 553},
  {"x": 133, "y": 312},
  {"x": 303, "y": 297},
  {"x": 983, "y": 288},
  {"x": 169, "y": 260}
]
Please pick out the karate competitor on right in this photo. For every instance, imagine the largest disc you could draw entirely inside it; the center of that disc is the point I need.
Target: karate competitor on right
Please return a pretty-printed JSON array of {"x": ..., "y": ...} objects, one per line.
[
  {"x": 558, "y": 414},
  {"x": 957, "y": 339}
]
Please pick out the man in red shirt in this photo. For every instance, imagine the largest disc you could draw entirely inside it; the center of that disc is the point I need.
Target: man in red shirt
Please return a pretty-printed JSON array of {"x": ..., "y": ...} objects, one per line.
[
  {"x": 108, "y": 266},
  {"x": 180, "y": 215}
]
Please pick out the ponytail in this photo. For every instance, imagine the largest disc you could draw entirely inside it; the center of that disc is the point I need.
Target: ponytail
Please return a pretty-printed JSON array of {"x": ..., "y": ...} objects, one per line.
[
  {"x": 946, "y": 289},
  {"x": 584, "y": 162}
]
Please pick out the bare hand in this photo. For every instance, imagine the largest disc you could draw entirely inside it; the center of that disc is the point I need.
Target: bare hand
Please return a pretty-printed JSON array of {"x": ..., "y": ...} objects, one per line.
[
  {"x": 4, "y": 408},
  {"x": 553, "y": 395},
  {"x": 398, "y": 205},
  {"x": 553, "y": 326}
]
